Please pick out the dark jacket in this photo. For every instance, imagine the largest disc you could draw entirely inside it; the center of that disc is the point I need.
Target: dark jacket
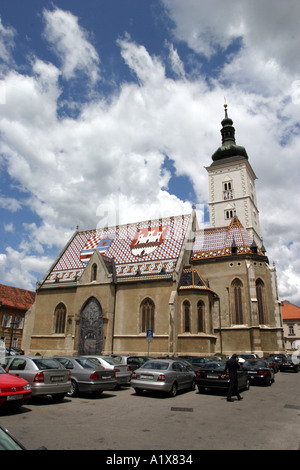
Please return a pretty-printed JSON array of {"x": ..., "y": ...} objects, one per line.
[{"x": 232, "y": 366}]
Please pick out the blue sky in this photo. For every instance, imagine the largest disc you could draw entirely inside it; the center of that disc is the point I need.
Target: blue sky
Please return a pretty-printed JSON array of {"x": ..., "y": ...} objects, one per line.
[{"x": 110, "y": 110}]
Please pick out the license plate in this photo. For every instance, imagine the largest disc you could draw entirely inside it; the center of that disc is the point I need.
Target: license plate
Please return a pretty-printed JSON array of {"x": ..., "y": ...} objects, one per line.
[
  {"x": 253, "y": 372},
  {"x": 106, "y": 377},
  {"x": 146, "y": 377},
  {"x": 212, "y": 376},
  {"x": 14, "y": 397},
  {"x": 57, "y": 378}
]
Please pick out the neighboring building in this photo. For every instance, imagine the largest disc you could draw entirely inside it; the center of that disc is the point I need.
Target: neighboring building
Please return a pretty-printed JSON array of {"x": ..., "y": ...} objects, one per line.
[
  {"x": 291, "y": 326},
  {"x": 198, "y": 291},
  {"x": 14, "y": 303}
]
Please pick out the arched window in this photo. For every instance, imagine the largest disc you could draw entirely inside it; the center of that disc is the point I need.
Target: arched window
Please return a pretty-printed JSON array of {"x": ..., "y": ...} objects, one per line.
[
  {"x": 261, "y": 305},
  {"x": 200, "y": 316},
  {"x": 60, "y": 318},
  {"x": 94, "y": 272},
  {"x": 237, "y": 287},
  {"x": 186, "y": 316},
  {"x": 147, "y": 309}
]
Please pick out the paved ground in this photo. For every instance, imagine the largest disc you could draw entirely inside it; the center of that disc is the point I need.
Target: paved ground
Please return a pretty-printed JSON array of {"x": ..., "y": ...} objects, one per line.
[{"x": 268, "y": 418}]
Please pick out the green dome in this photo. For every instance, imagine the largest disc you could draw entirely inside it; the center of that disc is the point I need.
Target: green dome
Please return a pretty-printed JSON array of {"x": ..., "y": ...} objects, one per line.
[{"x": 229, "y": 149}]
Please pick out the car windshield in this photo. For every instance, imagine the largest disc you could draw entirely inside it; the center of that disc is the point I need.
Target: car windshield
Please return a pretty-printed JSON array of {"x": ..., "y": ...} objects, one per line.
[
  {"x": 213, "y": 365},
  {"x": 156, "y": 365},
  {"x": 85, "y": 363},
  {"x": 117, "y": 359},
  {"x": 43, "y": 364},
  {"x": 7, "y": 442},
  {"x": 109, "y": 360},
  {"x": 255, "y": 363}
]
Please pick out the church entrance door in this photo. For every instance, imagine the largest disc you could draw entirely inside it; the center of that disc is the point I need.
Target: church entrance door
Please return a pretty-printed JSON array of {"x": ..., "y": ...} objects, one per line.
[{"x": 91, "y": 328}]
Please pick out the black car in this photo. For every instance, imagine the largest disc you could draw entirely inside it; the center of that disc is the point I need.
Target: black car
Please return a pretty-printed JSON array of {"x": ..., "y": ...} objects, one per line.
[
  {"x": 278, "y": 358},
  {"x": 272, "y": 363},
  {"x": 212, "y": 375},
  {"x": 290, "y": 365},
  {"x": 259, "y": 371}
]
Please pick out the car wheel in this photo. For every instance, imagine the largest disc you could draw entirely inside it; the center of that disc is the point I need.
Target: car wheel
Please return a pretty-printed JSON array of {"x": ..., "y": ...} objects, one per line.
[
  {"x": 173, "y": 391},
  {"x": 73, "y": 390},
  {"x": 247, "y": 385},
  {"x": 193, "y": 386}
]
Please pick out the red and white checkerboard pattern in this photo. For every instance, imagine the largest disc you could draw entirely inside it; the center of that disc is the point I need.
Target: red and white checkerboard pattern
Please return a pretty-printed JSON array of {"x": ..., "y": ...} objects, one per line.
[{"x": 71, "y": 264}]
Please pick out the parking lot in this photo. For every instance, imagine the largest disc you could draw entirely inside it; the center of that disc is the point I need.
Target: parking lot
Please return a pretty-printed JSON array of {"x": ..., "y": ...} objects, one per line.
[{"x": 268, "y": 418}]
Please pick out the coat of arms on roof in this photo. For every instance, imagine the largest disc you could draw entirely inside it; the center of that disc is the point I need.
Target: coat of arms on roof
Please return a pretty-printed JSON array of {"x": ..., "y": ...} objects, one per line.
[
  {"x": 147, "y": 240},
  {"x": 101, "y": 242}
]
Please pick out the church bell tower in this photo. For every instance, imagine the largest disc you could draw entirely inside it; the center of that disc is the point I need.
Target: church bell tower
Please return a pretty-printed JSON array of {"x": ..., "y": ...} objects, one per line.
[{"x": 232, "y": 185}]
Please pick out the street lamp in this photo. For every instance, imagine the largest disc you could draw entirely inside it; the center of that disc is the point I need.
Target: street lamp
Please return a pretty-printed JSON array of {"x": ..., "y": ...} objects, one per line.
[{"x": 12, "y": 325}]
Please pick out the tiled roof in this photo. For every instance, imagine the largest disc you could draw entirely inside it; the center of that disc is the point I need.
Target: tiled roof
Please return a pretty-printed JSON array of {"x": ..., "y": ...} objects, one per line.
[
  {"x": 13, "y": 297},
  {"x": 290, "y": 311},
  {"x": 223, "y": 241},
  {"x": 192, "y": 279},
  {"x": 139, "y": 249}
]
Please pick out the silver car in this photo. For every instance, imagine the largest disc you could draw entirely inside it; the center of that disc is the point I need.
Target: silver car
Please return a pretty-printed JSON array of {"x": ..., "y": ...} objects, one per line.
[
  {"x": 122, "y": 371},
  {"x": 163, "y": 375},
  {"x": 86, "y": 376},
  {"x": 46, "y": 376}
]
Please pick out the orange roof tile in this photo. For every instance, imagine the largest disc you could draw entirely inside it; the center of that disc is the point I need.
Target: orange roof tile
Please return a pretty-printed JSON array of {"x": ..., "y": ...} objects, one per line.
[
  {"x": 290, "y": 311},
  {"x": 16, "y": 298}
]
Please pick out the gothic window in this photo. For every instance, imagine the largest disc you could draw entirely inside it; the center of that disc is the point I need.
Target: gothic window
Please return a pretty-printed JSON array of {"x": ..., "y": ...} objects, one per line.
[
  {"x": 186, "y": 316},
  {"x": 94, "y": 272},
  {"x": 147, "y": 309},
  {"x": 229, "y": 214},
  {"x": 237, "y": 288},
  {"x": 261, "y": 304},
  {"x": 200, "y": 313},
  {"x": 60, "y": 318},
  {"x": 227, "y": 190}
]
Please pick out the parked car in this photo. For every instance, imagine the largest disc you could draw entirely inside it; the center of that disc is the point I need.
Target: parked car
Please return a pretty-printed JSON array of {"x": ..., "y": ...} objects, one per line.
[
  {"x": 212, "y": 375},
  {"x": 132, "y": 362},
  {"x": 197, "y": 360},
  {"x": 122, "y": 371},
  {"x": 245, "y": 356},
  {"x": 184, "y": 361},
  {"x": 135, "y": 362},
  {"x": 163, "y": 375},
  {"x": 272, "y": 363},
  {"x": 45, "y": 375},
  {"x": 279, "y": 358},
  {"x": 9, "y": 442},
  {"x": 86, "y": 376},
  {"x": 289, "y": 365},
  {"x": 12, "y": 351},
  {"x": 14, "y": 391},
  {"x": 259, "y": 371}
]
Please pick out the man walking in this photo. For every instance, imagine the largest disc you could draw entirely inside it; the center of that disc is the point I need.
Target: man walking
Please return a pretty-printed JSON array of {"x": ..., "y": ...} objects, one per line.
[{"x": 232, "y": 366}]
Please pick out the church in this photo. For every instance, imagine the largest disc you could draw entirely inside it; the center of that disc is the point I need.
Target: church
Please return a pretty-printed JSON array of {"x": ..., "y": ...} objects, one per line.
[{"x": 165, "y": 286}]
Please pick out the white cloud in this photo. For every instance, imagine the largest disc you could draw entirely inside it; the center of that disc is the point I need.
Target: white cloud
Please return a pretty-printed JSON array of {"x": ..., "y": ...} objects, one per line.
[
  {"x": 7, "y": 35},
  {"x": 71, "y": 44}
]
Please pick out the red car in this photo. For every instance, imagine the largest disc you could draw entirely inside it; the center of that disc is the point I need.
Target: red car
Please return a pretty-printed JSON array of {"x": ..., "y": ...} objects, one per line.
[{"x": 14, "y": 391}]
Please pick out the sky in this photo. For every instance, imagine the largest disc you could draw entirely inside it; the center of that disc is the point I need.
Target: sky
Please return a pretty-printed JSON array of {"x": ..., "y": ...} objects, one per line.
[{"x": 111, "y": 110}]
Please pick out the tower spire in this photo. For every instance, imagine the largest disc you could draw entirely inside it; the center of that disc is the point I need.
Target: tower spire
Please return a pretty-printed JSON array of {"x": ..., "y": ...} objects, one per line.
[{"x": 227, "y": 131}]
